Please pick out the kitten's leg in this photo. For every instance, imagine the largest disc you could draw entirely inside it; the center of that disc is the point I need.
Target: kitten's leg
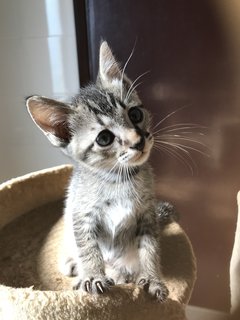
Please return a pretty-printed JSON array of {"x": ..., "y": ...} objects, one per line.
[
  {"x": 68, "y": 250},
  {"x": 90, "y": 261},
  {"x": 150, "y": 276}
]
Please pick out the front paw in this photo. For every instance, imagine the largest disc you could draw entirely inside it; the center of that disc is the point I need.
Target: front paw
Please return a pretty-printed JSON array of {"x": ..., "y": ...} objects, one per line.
[
  {"x": 95, "y": 285},
  {"x": 155, "y": 287}
]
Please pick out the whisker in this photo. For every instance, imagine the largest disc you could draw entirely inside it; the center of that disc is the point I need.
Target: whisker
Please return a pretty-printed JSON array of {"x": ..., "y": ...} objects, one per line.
[
  {"x": 118, "y": 180},
  {"x": 134, "y": 88},
  {"x": 133, "y": 187},
  {"x": 178, "y": 132},
  {"x": 177, "y": 156},
  {"x": 125, "y": 178},
  {"x": 107, "y": 178},
  {"x": 182, "y": 146},
  {"x": 180, "y": 126},
  {"x": 132, "y": 85},
  {"x": 171, "y": 114},
  {"x": 180, "y": 138},
  {"x": 124, "y": 68}
]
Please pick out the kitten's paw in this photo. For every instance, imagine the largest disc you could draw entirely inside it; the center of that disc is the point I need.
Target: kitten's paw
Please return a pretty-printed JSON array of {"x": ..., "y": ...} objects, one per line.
[
  {"x": 69, "y": 267},
  {"x": 166, "y": 213},
  {"x": 155, "y": 287},
  {"x": 95, "y": 285}
]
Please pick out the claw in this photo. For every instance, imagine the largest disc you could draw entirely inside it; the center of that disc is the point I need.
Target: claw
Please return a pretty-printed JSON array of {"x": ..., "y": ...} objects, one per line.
[
  {"x": 142, "y": 282},
  {"x": 161, "y": 295},
  {"x": 158, "y": 294},
  {"x": 88, "y": 286},
  {"x": 99, "y": 287}
]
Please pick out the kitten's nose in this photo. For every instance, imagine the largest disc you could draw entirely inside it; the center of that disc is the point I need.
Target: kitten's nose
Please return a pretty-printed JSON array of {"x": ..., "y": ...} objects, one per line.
[{"x": 139, "y": 145}]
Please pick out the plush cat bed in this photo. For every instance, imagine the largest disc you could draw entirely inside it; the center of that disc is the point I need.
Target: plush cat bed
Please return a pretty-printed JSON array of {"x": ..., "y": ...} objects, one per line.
[{"x": 30, "y": 241}]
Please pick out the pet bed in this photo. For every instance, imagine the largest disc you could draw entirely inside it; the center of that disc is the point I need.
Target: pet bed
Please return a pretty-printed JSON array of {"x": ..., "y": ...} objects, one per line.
[{"x": 31, "y": 288}]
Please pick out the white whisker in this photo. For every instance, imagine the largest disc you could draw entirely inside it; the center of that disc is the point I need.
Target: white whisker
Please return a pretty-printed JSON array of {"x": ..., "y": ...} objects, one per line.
[
  {"x": 180, "y": 127},
  {"x": 180, "y": 138},
  {"x": 124, "y": 68},
  {"x": 177, "y": 156},
  {"x": 169, "y": 115},
  {"x": 181, "y": 147},
  {"x": 132, "y": 88},
  {"x": 133, "y": 186},
  {"x": 106, "y": 179}
]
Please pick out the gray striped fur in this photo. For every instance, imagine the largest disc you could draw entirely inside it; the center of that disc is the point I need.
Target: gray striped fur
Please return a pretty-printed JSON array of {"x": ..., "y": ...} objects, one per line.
[{"x": 112, "y": 230}]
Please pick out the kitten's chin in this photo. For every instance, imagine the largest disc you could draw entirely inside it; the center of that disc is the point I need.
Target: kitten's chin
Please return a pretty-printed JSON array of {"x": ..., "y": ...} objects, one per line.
[
  {"x": 136, "y": 160},
  {"x": 139, "y": 159}
]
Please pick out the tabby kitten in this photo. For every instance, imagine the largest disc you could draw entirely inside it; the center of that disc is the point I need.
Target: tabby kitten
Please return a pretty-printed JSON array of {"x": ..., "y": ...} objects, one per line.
[{"x": 111, "y": 227}]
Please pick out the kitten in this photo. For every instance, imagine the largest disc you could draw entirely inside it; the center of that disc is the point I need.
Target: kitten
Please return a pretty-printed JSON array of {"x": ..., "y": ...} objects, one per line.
[{"x": 111, "y": 217}]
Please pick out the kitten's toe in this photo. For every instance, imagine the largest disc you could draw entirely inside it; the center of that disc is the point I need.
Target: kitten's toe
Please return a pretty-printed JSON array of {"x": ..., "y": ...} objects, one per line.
[
  {"x": 97, "y": 285},
  {"x": 144, "y": 283},
  {"x": 101, "y": 285},
  {"x": 166, "y": 213},
  {"x": 158, "y": 290},
  {"x": 84, "y": 285},
  {"x": 155, "y": 288}
]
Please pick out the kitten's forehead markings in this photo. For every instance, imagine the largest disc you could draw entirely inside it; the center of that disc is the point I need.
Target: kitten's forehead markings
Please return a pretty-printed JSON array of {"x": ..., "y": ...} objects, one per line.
[
  {"x": 106, "y": 121},
  {"x": 93, "y": 104},
  {"x": 115, "y": 102},
  {"x": 100, "y": 122},
  {"x": 120, "y": 104},
  {"x": 111, "y": 100}
]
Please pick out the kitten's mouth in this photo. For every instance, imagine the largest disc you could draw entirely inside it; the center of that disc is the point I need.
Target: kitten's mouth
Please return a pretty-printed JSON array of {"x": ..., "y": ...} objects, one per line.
[
  {"x": 139, "y": 158},
  {"x": 142, "y": 156},
  {"x": 134, "y": 157}
]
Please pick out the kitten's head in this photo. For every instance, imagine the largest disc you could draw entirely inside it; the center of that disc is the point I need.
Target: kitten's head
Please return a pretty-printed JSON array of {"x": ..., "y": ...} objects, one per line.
[{"x": 105, "y": 125}]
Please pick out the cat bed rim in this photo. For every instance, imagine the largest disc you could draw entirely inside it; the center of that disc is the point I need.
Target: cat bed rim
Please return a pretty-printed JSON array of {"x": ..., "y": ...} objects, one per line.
[{"x": 53, "y": 182}]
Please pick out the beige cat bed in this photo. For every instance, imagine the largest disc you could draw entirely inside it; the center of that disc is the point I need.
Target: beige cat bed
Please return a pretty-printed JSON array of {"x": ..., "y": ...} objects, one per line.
[{"x": 31, "y": 286}]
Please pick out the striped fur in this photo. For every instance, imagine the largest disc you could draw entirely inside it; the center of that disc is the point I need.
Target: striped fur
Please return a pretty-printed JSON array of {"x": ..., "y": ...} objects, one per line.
[{"x": 112, "y": 230}]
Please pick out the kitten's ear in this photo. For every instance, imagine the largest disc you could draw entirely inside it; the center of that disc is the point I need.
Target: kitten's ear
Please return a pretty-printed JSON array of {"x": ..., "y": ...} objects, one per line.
[
  {"x": 109, "y": 71},
  {"x": 51, "y": 117}
]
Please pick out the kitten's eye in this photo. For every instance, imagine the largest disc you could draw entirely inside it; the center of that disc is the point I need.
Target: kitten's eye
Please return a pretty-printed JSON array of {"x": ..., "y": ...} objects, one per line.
[
  {"x": 135, "y": 115},
  {"x": 105, "y": 138}
]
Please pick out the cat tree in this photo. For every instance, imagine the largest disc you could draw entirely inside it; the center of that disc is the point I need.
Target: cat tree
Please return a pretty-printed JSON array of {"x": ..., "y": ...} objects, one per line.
[
  {"x": 31, "y": 288},
  {"x": 30, "y": 242}
]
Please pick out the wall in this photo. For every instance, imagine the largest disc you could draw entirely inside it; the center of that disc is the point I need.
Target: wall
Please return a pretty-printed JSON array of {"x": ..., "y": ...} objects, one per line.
[
  {"x": 37, "y": 56},
  {"x": 192, "y": 51}
]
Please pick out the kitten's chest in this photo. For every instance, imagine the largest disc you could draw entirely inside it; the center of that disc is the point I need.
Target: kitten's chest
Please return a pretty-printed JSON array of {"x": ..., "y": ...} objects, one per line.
[{"x": 119, "y": 215}]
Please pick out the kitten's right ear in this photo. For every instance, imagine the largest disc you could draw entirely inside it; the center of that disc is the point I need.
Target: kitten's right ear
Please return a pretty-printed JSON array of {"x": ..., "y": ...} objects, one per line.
[
  {"x": 52, "y": 117},
  {"x": 109, "y": 69}
]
